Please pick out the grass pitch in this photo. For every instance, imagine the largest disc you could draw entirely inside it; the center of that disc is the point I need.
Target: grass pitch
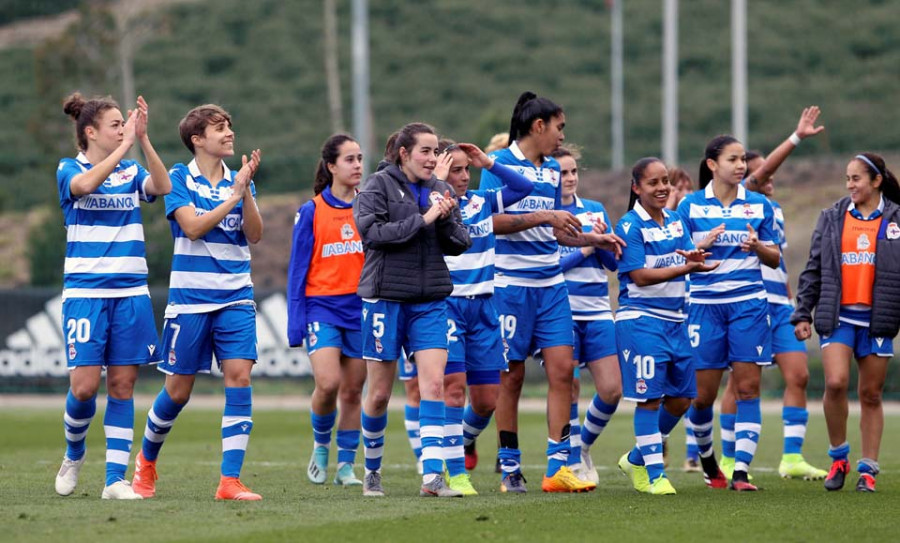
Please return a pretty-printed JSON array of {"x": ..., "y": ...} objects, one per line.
[{"x": 31, "y": 447}]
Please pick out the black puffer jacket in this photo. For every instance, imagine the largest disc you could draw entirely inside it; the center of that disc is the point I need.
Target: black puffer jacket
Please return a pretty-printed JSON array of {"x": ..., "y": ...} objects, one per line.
[
  {"x": 820, "y": 283},
  {"x": 404, "y": 257}
]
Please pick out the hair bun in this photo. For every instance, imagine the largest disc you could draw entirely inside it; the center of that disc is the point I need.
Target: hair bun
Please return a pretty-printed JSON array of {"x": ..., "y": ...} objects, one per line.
[{"x": 73, "y": 105}]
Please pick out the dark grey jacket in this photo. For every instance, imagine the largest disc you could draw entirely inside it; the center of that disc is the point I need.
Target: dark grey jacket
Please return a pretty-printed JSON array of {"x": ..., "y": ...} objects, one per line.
[
  {"x": 404, "y": 257},
  {"x": 820, "y": 283}
]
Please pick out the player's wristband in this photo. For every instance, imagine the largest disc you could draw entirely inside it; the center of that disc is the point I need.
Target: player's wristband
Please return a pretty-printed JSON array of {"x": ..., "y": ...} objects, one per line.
[{"x": 795, "y": 139}]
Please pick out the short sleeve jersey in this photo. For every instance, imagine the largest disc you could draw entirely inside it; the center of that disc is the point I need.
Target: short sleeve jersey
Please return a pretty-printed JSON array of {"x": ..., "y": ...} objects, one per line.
[
  {"x": 213, "y": 271},
  {"x": 529, "y": 258},
  {"x": 776, "y": 280},
  {"x": 652, "y": 246},
  {"x": 738, "y": 277},
  {"x": 587, "y": 283},
  {"x": 472, "y": 272},
  {"x": 105, "y": 254}
]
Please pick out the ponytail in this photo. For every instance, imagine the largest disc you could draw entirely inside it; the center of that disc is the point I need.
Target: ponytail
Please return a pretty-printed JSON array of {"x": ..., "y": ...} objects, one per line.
[
  {"x": 86, "y": 113},
  {"x": 713, "y": 149},
  {"x": 331, "y": 150},
  {"x": 530, "y": 107},
  {"x": 875, "y": 165},
  {"x": 637, "y": 175}
]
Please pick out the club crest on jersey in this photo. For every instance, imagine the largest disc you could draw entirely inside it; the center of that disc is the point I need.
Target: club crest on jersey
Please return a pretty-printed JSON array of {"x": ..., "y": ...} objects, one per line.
[
  {"x": 641, "y": 386},
  {"x": 172, "y": 358},
  {"x": 748, "y": 212},
  {"x": 475, "y": 204},
  {"x": 676, "y": 229},
  {"x": 72, "y": 352},
  {"x": 862, "y": 242},
  {"x": 120, "y": 177},
  {"x": 347, "y": 231},
  {"x": 435, "y": 197},
  {"x": 892, "y": 231},
  {"x": 378, "y": 346}
]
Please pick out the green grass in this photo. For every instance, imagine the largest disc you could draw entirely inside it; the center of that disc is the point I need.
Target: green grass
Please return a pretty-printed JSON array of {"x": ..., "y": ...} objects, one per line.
[{"x": 294, "y": 510}]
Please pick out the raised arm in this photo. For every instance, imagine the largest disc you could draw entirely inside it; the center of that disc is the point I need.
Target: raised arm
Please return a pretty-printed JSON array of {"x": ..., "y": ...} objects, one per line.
[
  {"x": 159, "y": 183},
  {"x": 806, "y": 128},
  {"x": 515, "y": 185},
  {"x": 89, "y": 181}
]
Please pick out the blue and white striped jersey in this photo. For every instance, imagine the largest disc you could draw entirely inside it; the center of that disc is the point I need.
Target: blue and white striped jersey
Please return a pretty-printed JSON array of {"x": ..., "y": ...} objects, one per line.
[
  {"x": 776, "y": 281},
  {"x": 214, "y": 271},
  {"x": 529, "y": 258},
  {"x": 472, "y": 272},
  {"x": 738, "y": 277},
  {"x": 105, "y": 255},
  {"x": 586, "y": 278},
  {"x": 652, "y": 246}
]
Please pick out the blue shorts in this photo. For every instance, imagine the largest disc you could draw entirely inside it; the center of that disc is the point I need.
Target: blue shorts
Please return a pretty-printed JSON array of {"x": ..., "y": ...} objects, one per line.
[
  {"x": 594, "y": 340},
  {"x": 389, "y": 326},
  {"x": 852, "y": 332},
  {"x": 321, "y": 334},
  {"x": 474, "y": 333},
  {"x": 406, "y": 369},
  {"x": 655, "y": 359},
  {"x": 783, "y": 338},
  {"x": 534, "y": 318},
  {"x": 191, "y": 339},
  {"x": 110, "y": 331},
  {"x": 731, "y": 332}
]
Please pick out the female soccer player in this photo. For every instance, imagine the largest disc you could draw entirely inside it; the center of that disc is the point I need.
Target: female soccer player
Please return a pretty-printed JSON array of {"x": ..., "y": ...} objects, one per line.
[
  {"x": 851, "y": 281},
  {"x": 476, "y": 353},
  {"x": 531, "y": 293},
  {"x": 789, "y": 353},
  {"x": 593, "y": 328},
  {"x": 651, "y": 336},
  {"x": 106, "y": 313},
  {"x": 728, "y": 310},
  {"x": 324, "y": 309},
  {"x": 213, "y": 214},
  {"x": 407, "y": 221}
]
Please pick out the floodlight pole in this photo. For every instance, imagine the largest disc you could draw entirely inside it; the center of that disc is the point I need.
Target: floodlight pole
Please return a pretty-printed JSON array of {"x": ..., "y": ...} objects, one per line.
[
  {"x": 670, "y": 82},
  {"x": 360, "y": 46},
  {"x": 739, "y": 69},
  {"x": 617, "y": 94}
]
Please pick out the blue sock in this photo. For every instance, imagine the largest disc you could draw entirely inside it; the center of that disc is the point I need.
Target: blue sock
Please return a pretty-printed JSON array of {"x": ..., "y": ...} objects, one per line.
[
  {"x": 411, "y": 421},
  {"x": 691, "y": 451},
  {"x": 702, "y": 421},
  {"x": 373, "y": 439},
  {"x": 667, "y": 422},
  {"x": 237, "y": 423},
  {"x": 76, "y": 420},
  {"x": 453, "y": 454},
  {"x": 595, "y": 420},
  {"x": 649, "y": 441},
  {"x": 118, "y": 425},
  {"x": 841, "y": 452},
  {"x": 635, "y": 457},
  {"x": 795, "y": 420},
  {"x": 322, "y": 426},
  {"x": 159, "y": 422},
  {"x": 746, "y": 432},
  {"x": 431, "y": 428},
  {"x": 867, "y": 465},
  {"x": 574, "y": 437},
  {"x": 557, "y": 455},
  {"x": 347, "y": 443},
  {"x": 473, "y": 425},
  {"x": 726, "y": 430}
]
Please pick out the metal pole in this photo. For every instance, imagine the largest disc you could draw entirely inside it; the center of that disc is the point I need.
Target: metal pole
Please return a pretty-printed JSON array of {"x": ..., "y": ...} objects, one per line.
[
  {"x": 360, "y": 39},
  {"x": 670, "y": 82},
  {"x": 739, "y": 69},
  {"x": 617, "y": 94}
]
